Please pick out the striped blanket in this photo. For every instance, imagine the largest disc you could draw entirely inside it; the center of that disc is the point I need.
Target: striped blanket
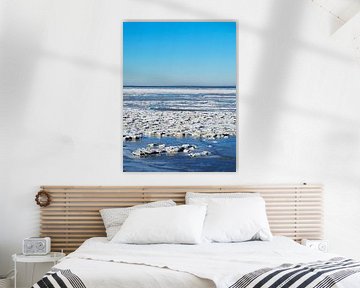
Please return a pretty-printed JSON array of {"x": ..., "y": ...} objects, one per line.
[
  {"x": 319, "y": 274},
  {"x": 59, "y": 278}
]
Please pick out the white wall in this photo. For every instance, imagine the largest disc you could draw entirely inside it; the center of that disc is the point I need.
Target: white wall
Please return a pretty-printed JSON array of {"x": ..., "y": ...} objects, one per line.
[{"x": 61, "y": 104}]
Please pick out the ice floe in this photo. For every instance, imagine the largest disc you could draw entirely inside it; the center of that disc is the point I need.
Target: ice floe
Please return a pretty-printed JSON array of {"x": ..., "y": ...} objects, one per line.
[
  {"x": 155, "y": 149},
  {"x": 138, "y": 123}
]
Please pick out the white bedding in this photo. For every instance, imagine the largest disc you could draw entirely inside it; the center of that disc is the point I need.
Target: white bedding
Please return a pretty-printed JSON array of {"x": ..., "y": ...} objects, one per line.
[{"x": 100, "y": 263}]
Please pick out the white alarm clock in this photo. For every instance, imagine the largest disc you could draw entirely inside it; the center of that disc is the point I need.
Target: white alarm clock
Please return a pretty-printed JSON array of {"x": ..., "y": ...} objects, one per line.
[
  {"x": 320, "y": 245},
  {"x": 36, "y": 246}
]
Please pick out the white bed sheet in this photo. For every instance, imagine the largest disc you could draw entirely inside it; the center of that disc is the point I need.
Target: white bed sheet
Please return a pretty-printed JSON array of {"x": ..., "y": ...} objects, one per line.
[
  {"x": 100, "y": 263},
  {"x": 106, "y": 274},
  {"x": 101, "y": 274}
]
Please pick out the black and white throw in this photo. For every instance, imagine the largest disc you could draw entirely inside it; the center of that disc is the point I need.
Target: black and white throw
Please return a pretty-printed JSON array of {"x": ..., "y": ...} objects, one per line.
[
  {"x": 319, "y": 274},
  {"x": 59, "y": 278}
]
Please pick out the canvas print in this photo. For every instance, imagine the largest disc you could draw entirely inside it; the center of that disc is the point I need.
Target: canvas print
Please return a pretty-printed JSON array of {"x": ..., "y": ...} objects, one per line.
[{"x": 179, "y": 96}]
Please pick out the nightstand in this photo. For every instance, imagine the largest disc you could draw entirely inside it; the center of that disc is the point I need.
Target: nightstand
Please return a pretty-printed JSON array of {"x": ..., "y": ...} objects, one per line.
[
  {"x": 320, "y": 245},
  {"x": 53, "y": 257}
]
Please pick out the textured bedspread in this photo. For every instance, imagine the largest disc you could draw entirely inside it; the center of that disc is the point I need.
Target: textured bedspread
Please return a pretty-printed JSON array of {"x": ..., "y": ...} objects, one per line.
[{"x": 319, "y": 274}]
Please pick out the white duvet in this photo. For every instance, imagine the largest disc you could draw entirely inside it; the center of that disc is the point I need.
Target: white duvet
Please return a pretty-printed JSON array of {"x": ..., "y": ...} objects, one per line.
[{"x": 100, "y": 263}]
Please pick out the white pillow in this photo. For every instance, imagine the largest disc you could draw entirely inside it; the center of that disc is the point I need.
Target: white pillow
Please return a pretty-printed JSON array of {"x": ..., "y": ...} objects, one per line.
[
  {"x": 204, "y": 198},
  {"x": 236, "y": 220},
  {"x": 113, "y": 218},
  {"x": 180, "y": 224}
]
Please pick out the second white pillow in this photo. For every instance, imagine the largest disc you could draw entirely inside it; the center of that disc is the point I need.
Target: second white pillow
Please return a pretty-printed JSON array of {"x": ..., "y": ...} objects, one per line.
[
  {"x": 180, "y": 224},
  {"x": 236, "y": 220}
]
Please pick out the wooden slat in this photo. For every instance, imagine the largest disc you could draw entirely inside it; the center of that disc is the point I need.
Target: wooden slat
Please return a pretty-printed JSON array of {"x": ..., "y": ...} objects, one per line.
[{"x": 73, "y": 216}]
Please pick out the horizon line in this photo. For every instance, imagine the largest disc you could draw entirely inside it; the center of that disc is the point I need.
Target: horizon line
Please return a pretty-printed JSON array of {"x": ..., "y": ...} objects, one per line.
[{"x": 207, "y": 86}]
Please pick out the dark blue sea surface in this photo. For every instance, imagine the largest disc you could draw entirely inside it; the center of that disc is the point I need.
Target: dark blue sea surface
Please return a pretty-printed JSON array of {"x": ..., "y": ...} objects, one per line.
[{"x": 222, "y": 158}]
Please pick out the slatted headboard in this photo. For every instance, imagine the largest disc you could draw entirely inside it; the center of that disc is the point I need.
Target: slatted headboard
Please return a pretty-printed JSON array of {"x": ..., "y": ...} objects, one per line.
[{"x": 73, "y": 215}]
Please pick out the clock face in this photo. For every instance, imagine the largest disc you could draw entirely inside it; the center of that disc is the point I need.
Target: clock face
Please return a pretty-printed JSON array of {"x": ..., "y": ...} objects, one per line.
[{"x": 40, "y": 245}]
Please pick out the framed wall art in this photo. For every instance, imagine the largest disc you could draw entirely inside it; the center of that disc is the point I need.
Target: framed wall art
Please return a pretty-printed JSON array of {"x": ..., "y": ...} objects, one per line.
[{"x": 179, "y": 96}]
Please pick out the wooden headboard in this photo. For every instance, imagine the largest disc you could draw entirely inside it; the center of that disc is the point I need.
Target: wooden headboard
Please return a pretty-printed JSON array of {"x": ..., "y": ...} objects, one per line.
[{"x": 73, "y": 215}]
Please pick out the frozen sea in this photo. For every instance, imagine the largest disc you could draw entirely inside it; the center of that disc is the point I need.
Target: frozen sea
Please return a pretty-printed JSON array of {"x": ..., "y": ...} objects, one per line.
[
  {"x": 203, "y": 99},
  {"x": 180, "y": 98}
]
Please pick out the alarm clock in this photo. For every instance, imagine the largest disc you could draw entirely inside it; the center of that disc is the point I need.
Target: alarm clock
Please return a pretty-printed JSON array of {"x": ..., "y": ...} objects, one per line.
[
  {"x": 320, "y": 245},
  {"x": 36, "y": 246}
]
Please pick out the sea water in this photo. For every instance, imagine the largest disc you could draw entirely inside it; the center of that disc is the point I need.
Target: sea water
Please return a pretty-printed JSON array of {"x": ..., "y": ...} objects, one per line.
[
  {"x": 207, "y": 99},
  {"x": 180, "y": 98}
]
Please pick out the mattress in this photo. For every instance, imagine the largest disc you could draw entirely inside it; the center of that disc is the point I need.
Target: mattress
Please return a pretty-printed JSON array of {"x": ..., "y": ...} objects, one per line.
[{"x": 99, "y": 263}]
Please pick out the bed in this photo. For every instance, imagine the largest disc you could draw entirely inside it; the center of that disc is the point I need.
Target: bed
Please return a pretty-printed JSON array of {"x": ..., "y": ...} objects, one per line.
[
  {"x": 99, "y": 263},
  {"x": 293, "y": 210}
]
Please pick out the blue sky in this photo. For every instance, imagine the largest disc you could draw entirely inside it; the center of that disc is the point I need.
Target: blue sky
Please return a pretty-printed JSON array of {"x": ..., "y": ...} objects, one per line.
[{"x": 179, "y": 53}]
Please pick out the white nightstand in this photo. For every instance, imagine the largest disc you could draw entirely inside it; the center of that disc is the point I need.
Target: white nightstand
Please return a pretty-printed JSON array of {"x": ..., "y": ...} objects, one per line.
[
  {"x": 320, "y": 245},
  {"x": 53, "y": 257}
]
